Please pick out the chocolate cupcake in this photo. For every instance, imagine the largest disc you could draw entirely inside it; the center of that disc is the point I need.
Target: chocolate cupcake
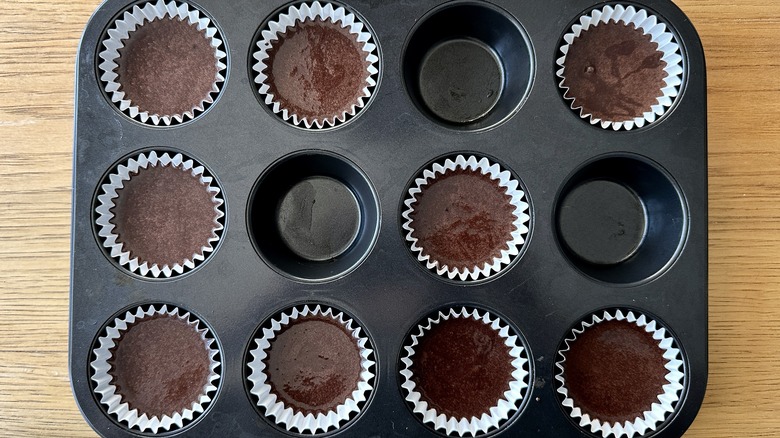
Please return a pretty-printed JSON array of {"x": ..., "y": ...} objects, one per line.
[
  {"x": 621, "y": 67},
  {"x": 155, "y": 368},
  {"x": 316, "y": 65},
  {"x": 466, "y": 218},
  {"x": 464, "y": 371},
  {"x": 160, "y": 215},
  {"x": 620, "y": 373},
  {"x": 163, "y": 62},
  {"x": 311, "y": 369}
]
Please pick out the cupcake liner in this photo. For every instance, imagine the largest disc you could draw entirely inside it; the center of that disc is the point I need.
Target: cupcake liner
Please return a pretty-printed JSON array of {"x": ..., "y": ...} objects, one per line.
[
  {"x": 106, "y": 203},
  {"x": 113, "y": 403},
  {"x": 496, "y": 414},
  {"x": 311, "y": 11},
  {"x": 286, "y": 416},
  {"x": 129, "y": 22},
  {"x": 650, "y": 25},
  {"x": 649, "y": 422},
  {"x": 505, "y": 180}
]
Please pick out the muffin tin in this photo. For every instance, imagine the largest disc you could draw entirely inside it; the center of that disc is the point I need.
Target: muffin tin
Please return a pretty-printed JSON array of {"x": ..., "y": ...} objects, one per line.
[{"x": 509, "y": 109}]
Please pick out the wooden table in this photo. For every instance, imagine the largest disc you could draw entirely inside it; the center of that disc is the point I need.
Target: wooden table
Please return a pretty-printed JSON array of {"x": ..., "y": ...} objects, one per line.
[{"x": 37, "y": 52}]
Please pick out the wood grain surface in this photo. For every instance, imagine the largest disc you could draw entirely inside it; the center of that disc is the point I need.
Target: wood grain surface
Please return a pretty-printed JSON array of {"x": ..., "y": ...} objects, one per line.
[{"x": 38, "y": 45}]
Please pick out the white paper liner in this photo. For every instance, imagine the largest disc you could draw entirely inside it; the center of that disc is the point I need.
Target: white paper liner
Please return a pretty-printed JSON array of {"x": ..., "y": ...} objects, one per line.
[
  {"x": 113, "y": 402},
  {"x": 505, "y": 180},
  {"x": 286, "y": 416},
  {"x": 130, "y": 21},
  {"x": 106, "y": 203},
  {"x": 491, "y": 419},
  {"x": 311, "y": 11},
  {"x": 649, "y": 422},
  {"x": 649, "y": 24}
]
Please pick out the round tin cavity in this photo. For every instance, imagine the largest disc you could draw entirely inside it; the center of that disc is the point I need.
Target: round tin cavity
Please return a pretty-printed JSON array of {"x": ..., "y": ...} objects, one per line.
[
  {"x": 621, "y": 219},
  {"x": 468, "y": 66},
  {"x": 318, "y": 218},
  {"x": 461, "y": 80},
  {"x": 618, "y": 222},
  {"x": 313, "y": 216}
]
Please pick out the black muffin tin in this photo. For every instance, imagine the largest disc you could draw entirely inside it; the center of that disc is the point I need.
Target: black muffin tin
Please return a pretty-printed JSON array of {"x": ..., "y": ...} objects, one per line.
[{"x": 531, "y": 131}]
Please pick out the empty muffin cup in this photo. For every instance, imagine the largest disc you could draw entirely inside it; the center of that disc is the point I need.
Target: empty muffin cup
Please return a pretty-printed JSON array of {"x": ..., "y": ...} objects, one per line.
[
  {"x": 464, "y": 371},
  {"x": 468, "y": 66},
  {"x": 311, "y": 369},
  {"x": 313, "y": 216},
  {"x": 159, "y": 214},
  {"x": 156, "y": 368},
  {"x": 621, "y": 219},
  {"x": 317, "y": 65},
  {"x": 621, "y": 67},
  {"x": 162, "y": 62},
  {"x": 466, "y": 218},
  {"x": 620, "y": 373}
]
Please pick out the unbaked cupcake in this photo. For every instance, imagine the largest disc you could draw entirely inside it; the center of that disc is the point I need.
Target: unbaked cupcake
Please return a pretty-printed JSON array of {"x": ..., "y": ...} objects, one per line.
[
  {"x": 621, "y": 67},
  {"x": 312, "y": 369},
  {"x": 464, "y": 372},
  {"x": 466, "y": 218},
  {"x": 155, "y": 368},
  {"x": 160, "y": 214},
  {"x": 317, "y": 65},
  {"x": 620, "y": 373},
  {"x": 163, "y": 62}
]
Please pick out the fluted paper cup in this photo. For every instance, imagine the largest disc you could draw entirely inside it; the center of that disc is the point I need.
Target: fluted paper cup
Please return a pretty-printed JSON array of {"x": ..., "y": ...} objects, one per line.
[
  {"x": 286, "y": 416},
  {"x": 505, "y": 180},
  {"x": 304, "y": 13},
  {"x": 105, "y": 203},
  {"x": 659, "y": 33},
  {"x": 132, "y": 20},
  {"x": 110, "y": 397},
  {"x": 665, "y": 403},
  {"x": 494, "y": 416}
]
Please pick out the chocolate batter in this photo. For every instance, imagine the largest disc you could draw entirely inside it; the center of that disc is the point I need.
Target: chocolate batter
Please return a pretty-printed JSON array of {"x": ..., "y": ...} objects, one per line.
[
  {"x": 462, "y": 368},
  {"x": 164, "y": 215},
  {"x": 313, "y": 365},
  {"x": 463, "y": 219},
  {"x": 167, "y": 67},
  {"x": 614, "y": 72},
  {"x": 160, "y": 366},
  {"x": 615, "y": 371},
  {"x": 317, "y": 70}
]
